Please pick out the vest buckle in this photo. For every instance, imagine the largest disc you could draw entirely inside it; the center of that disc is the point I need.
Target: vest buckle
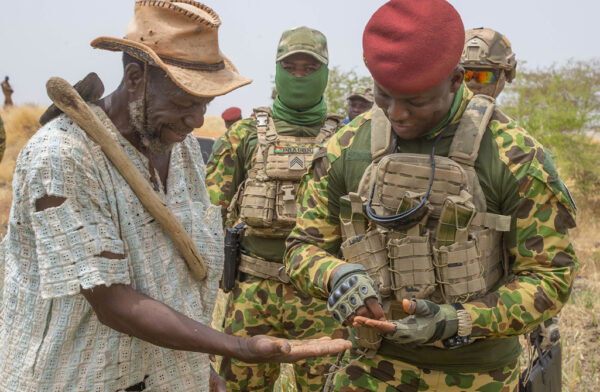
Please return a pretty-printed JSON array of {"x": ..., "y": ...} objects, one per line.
[{"x": 288, "y": 192}]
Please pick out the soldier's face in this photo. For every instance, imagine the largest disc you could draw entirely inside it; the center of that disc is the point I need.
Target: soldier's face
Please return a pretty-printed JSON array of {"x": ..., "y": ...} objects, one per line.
[
  {"x": 300, "y": 64},
  {"x": 413, "y": 115},
  {"x": 357, "y": 106}
]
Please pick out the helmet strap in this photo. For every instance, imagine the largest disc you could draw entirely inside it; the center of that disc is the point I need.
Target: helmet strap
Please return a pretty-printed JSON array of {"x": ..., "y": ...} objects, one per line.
[{"x": 501, "y": 80}]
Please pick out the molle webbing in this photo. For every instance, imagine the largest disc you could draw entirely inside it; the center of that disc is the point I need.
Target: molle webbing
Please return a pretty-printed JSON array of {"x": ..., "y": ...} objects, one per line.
[
  {"x": 465, "y": 145},
  {"x": 467, "y": 139},
  {"x": 455, "y": 253},
  {"x": 263, "y": 269},
  {"x": 266, "y": 200},
  {"x": 458, "y": 246},
  {"x": 286, "y": 157},
  {"x": 412, "y": 171}
]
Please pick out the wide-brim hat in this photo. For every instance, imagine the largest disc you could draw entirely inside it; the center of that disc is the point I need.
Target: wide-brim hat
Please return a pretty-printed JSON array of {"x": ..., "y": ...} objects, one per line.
[{"x": 180, "y": 37}]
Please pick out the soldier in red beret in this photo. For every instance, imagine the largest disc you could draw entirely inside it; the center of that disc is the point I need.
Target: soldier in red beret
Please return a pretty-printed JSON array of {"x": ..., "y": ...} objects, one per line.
[
  {"x": 435, "y": 226},
  {"x": 231, "y": 115}
]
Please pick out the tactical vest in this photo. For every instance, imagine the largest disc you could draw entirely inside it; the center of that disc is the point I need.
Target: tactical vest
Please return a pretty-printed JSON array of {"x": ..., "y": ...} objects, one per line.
[
  {"x": 266, "y": 200},
  {"x": 455, "y": 252}
]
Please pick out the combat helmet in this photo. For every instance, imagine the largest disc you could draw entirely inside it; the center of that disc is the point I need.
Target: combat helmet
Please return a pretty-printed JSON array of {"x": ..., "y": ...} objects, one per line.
[{"x": 486, "y": 48}]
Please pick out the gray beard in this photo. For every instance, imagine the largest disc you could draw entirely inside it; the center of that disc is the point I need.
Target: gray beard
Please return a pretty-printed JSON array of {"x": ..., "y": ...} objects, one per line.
[{"x": 149, "y": 138}]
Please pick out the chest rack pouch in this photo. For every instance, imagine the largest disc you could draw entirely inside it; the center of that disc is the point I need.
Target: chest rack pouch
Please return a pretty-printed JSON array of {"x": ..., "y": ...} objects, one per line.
[{"x": 438, "y": 258}]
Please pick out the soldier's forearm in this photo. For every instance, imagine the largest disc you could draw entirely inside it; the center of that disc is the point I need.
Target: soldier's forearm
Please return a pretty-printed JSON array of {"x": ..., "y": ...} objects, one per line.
[
  {"x": 311, "y": 268},
  {"x": 520, "y": 305}
]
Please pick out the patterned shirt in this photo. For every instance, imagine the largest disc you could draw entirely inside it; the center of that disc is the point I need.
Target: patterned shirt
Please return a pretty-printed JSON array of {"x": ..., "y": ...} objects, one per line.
[{"x": 51, "y": 337}]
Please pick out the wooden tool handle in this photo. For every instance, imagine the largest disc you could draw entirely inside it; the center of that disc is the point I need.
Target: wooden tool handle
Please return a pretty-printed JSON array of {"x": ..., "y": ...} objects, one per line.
[{"x": 68, "y": 100}]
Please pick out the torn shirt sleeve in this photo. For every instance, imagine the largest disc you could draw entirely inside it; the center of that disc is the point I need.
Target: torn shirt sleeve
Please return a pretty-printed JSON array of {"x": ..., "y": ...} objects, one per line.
[{"x": 70, "y": 237}]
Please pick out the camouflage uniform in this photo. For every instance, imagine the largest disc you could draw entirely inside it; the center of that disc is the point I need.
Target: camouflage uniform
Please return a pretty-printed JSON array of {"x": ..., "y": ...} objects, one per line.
[
  {"x": 2, "y": 139},
  {"x": 519, "y": 179},
  {"x": 257, "y": 305},
  {"x": 264, "y": 306}
]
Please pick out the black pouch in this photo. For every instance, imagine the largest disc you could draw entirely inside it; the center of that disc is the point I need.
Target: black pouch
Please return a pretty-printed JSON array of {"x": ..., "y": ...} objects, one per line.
[
  {"x": 545, "y": 374},
  {"x": 233, "y": 236}
]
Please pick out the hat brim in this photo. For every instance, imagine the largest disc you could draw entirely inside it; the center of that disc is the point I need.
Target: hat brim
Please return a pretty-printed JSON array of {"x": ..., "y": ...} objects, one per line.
[
  {"x": 196, "y": 82},
  {"x": 318, "y": 57}
]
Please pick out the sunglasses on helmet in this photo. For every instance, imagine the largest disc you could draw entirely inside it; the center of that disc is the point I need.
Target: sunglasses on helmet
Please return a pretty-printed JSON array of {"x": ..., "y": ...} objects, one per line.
[{"x": 482, "y": 77}]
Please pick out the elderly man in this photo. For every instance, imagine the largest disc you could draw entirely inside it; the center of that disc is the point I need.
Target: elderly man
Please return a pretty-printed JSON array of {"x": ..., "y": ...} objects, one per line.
[
  {"x": 451, "y": 220},
  {"x": 95, "y": 297}
]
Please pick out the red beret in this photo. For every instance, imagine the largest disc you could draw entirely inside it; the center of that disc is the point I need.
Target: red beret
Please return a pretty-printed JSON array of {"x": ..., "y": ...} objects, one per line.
[
  {"x": 231, "y": 114},
  {"x": 410, "y": 46}
]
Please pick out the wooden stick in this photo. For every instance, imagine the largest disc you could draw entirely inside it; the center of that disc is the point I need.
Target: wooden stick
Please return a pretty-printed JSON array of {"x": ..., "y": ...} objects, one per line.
[
  {"x": 89, "y": 88},
  {"x": 70, "y": 102}
]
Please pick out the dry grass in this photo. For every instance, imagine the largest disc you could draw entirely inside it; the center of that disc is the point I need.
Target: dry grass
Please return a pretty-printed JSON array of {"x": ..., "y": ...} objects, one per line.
[
  {"x": 214, "y": 127},
  {"x": 578, "y": 320},
  {"x": 20, "y": 123}
]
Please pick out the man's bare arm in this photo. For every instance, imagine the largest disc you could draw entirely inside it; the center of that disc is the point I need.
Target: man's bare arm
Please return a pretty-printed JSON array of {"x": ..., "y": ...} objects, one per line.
[{"x": 124, "y": 309}]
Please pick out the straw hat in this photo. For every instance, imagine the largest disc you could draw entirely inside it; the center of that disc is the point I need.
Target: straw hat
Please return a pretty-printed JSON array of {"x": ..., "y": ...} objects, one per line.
[{"x": 181, "y": 37}]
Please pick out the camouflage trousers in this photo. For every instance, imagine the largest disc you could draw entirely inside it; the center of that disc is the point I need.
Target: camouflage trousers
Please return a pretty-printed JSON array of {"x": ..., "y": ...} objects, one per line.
[
  {"x": 267, "y": 307},
  {"x": 384, "y": 374}
]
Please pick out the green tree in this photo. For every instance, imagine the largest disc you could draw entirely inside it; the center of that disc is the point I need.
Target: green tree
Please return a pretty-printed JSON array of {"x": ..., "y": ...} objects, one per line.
[
  {"x": 560, "y": 106},
  {"x": 340, "y": 85}
]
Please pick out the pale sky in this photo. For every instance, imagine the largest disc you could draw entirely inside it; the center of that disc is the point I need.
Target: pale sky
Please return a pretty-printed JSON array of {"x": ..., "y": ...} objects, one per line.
[{"x": 43, "y": 38}]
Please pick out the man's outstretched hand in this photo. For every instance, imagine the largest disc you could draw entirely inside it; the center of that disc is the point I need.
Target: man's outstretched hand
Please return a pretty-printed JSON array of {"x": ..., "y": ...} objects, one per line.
[{"x": 262, "y": 348}]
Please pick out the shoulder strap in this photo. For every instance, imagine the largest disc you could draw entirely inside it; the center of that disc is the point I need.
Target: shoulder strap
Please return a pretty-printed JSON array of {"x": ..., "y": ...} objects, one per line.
[
  {"x": 265, "y": 127},
  {"x": 465, "y": 145},
  {"x": 330, "y": 126},
  {"x": 265, "y": 133},
  {"x": 382, "y": 139},
  {"x": 467, "y": 139}
]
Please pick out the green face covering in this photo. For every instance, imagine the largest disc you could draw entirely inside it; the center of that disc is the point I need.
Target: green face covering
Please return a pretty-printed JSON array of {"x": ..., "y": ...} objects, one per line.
[
  {"x": 300, "y": 99},
  {"x": 301, "y": 93}
]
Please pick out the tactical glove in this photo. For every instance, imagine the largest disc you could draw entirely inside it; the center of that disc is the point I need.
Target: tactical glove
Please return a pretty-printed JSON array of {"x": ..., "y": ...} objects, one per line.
[
  {"x": 428, "y": 323},
  {"x": 351, "y": 288}
]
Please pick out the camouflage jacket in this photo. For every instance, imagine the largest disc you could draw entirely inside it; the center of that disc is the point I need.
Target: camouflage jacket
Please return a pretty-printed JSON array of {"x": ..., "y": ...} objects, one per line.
[
  {"x": 232, "y": 157},
  {"x": 518, "y": 178}
]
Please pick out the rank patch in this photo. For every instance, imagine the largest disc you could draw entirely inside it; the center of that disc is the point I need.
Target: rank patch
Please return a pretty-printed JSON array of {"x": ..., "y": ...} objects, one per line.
[{"x": 296, "y": 163}]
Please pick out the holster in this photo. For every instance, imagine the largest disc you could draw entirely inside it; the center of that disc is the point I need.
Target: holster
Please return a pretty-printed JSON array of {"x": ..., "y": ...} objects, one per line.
[
  {"x": 545, "y": 374},
  {"x": 233, "y": 236}
]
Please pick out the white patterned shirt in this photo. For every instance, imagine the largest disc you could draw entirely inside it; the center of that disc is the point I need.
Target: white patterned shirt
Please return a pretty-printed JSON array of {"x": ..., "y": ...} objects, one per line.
[{"x": 51, "y": 339}]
